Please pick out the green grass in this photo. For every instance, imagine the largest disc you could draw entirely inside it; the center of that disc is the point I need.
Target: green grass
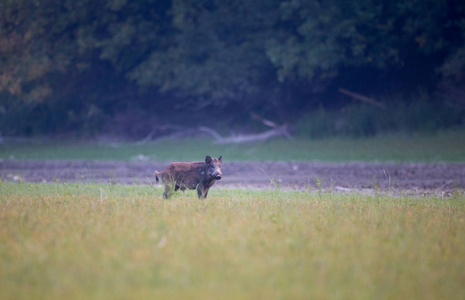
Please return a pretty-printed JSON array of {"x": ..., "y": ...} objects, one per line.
[
  {"x": 446, "y": 146},
  {"x": 76, "y": 241}
]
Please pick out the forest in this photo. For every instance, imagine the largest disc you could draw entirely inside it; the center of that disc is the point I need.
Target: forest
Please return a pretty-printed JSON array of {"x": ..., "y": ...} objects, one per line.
[{"x": 148, "y": 68}]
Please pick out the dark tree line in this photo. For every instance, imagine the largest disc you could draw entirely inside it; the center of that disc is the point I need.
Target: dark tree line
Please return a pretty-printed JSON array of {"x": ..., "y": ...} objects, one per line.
[{"x": 68, "y": 63}]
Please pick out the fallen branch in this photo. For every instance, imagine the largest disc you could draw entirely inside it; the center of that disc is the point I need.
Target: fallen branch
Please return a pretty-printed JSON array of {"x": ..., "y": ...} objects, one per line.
[
  {"x": 361, "y": 97},
  {"x": 264, "y": 121},
  {"x": 179, "y": 132},
  {"x": 247, "y": 138}
]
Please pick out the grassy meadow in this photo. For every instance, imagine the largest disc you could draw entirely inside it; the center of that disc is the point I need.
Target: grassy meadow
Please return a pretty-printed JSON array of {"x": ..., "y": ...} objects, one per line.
[
  {"x": 88, "y": 241},
  {"x": 448, "y": 146}
]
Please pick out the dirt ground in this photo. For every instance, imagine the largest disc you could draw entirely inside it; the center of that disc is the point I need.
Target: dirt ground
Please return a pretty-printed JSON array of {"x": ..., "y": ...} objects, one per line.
[{"x": 411, "y": 178}]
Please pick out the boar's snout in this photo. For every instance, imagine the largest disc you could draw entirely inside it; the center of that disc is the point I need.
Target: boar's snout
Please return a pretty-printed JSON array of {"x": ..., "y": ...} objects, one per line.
[{"x": 216, "y": 176}]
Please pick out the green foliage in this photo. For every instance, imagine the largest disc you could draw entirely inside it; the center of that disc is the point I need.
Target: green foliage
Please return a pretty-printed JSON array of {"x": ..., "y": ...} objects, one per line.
[
  {"x": 325, "y": 36},
  {"x": 216, "y": 49},
  {"x": 40, "y": 40},
  {"x": 80, "y": 57},
  {"x": 215, "y": 56}
]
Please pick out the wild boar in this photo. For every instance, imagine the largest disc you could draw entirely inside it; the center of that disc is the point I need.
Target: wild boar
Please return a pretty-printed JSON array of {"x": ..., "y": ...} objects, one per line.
[{"x": 191, "y": 175}]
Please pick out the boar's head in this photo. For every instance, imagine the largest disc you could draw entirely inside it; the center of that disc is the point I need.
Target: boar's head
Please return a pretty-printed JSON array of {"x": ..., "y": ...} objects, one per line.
[{"x": 214, "y": 167}]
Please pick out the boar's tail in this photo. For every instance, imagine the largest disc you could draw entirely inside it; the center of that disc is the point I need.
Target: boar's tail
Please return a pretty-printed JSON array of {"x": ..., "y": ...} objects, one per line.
[{"x": 156, "y": 176}]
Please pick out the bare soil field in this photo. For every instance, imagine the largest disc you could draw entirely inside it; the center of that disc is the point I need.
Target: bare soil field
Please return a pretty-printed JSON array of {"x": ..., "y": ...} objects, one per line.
[{"x": 411, "y": 178}]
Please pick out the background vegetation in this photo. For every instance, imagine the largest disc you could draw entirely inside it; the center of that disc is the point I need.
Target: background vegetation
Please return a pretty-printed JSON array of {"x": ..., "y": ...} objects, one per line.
[{"x": 129, "y": 68}]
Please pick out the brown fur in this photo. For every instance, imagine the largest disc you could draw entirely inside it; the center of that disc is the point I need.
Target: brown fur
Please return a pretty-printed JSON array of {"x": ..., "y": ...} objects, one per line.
[{"x": 191, "y": 175}]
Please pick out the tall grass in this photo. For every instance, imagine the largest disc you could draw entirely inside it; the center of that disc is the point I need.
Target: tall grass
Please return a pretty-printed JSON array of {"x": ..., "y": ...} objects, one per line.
[{"x": 77, "y": 241}]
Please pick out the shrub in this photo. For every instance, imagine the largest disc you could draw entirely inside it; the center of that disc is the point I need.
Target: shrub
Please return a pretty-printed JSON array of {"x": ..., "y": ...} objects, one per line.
[{"x": 364, "y": 120}]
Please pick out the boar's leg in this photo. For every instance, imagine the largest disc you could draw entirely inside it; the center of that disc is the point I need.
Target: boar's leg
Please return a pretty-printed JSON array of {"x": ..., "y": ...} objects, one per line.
[
  {"x": 167, "y": 191},
  {"x": 200, "y": 192}
]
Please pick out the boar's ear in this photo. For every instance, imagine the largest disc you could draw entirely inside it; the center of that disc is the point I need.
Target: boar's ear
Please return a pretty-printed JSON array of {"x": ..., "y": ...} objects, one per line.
[
  {"x": 208, "y": 160},
  {"x": 220, "y": 158}
]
